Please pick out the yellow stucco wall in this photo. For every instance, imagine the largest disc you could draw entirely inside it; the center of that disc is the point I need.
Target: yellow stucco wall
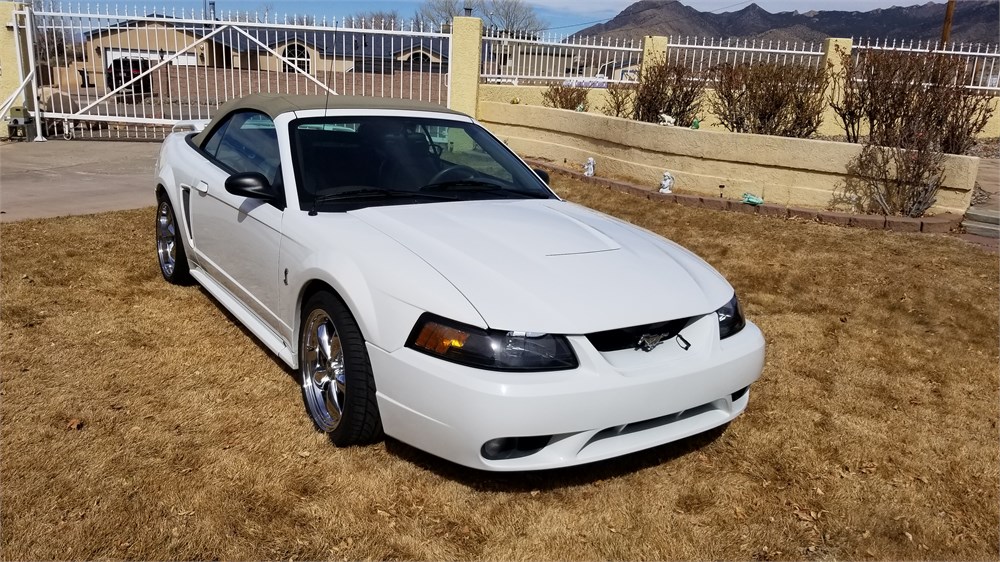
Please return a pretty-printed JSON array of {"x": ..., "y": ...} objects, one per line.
[
  {"x": 795, "y": 172},
  {"x": 9, "y": 77}
]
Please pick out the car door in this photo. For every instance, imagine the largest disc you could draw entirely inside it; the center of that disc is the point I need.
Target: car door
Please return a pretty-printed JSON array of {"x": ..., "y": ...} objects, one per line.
[{"x": 236, "y": 238}]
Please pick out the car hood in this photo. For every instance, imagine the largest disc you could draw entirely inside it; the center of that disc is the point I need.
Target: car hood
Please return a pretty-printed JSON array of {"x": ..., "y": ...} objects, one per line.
[{"x": 552, "y": 266}]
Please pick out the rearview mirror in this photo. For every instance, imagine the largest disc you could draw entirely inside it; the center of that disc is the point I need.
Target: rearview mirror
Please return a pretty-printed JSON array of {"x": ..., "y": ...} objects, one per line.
[
  {"x": 543, "y": 174},
  {"x": 250, "y": 184}
]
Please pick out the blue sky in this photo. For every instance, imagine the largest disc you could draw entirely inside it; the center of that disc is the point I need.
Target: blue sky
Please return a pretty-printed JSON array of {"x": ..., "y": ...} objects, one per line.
[{"x": 565, "y": 16}]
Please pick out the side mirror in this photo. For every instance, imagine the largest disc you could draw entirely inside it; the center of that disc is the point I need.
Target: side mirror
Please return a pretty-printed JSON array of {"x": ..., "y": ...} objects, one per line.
[
  {"x": 542, "y": 174},
  {"x": 250, "y": 184}
]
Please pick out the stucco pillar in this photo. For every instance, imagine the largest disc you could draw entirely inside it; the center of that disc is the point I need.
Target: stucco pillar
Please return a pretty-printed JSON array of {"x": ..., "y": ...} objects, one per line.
[
  {"x": 832, "y": 62},
  {"x": 463, "y": 67},
  {"x": 10, "y": 77},
  {"x": 654, "y": 48}
]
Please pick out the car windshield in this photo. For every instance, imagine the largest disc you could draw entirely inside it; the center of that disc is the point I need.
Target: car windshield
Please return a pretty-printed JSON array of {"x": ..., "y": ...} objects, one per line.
[{"x": 343, "y": 163}]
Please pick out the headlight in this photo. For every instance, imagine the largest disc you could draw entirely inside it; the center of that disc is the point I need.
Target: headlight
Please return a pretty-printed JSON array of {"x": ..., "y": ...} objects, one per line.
[
  {"x": 490, "y": 349},
  {"x": 731, "y": 319}
]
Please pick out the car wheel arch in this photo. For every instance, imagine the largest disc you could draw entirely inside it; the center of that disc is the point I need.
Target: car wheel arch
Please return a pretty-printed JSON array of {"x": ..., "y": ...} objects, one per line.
[
  {"x": 180, "y": 210},
  {"x": 316, "y": 285}
]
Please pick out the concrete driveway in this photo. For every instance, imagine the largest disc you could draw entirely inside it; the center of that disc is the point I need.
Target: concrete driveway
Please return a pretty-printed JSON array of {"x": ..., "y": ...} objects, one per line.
[{"x": 57, "y": 178}]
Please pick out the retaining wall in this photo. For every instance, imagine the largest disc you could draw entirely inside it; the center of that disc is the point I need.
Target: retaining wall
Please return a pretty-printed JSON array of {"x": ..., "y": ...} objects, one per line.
[{"x": 783, "y": 171}]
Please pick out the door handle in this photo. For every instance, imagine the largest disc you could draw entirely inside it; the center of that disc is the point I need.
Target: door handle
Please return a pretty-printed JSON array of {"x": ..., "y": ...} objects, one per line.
[{"x": 202, "y": 187}]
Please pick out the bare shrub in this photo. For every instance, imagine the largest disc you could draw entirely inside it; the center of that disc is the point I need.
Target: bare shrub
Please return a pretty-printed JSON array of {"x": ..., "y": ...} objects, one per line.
[
  {"x": 891, "y": 92},
  {"x": 891, "y": 180},
  {"x": 969, "y": 114},
  {"x": 565, "y": 97},
  {"x": 620, "y": 100},
  {"x": 966, "y": 112},
  {"x": 670, "y": 89},
  {"x": 57, "y": 49},
  {"x": 917, "y": 108},
  {"x": 769, "y": 98}
]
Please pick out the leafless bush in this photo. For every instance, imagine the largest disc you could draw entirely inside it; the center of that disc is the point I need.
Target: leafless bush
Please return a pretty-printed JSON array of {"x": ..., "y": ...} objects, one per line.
[
  {"x": 894, "y": 92},
  {"x": 620, "y": 100},
  {"x": 57, "y": 49},
  {"x": 769, "y": 99},
  {"x": 969, "y": 114},
  {"x": 891, "y": 180},
  {"x": 917, "y": 109},
  {"x": 565, "y": 97},
  {"x": 670, "y": 89}
]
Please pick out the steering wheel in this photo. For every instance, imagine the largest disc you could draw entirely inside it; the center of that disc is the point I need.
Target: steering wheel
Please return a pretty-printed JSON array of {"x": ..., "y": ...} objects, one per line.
[{"x": 453, "y": 173}]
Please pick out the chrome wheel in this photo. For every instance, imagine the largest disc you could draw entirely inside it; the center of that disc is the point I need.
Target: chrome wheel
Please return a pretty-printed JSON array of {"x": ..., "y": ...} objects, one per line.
[
  {"x": 166, "y": 238},
  {"x": 324, "y": 381}
]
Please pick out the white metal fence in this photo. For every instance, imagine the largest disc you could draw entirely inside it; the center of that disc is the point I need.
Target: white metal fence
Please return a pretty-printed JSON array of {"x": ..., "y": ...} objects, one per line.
[
  {"x": 132, "y": 75},
  {"x": 982, "y": 61},
  {"x": 702, "y": 54},
  {"x": 521, "y": 58}
]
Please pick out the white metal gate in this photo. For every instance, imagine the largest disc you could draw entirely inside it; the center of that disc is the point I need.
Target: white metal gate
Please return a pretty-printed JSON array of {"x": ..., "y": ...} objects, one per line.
[{"x": 134, "y": 75}]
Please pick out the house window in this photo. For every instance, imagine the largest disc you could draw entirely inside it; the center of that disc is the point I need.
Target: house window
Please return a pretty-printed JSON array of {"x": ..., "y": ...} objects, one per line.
[{"x": 298, "y": 58}]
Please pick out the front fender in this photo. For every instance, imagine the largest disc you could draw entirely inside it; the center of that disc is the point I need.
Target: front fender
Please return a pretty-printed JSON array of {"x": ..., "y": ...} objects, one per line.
[
  {"x": 385, "y": 285},
  {"x": 171, "y": 154}
]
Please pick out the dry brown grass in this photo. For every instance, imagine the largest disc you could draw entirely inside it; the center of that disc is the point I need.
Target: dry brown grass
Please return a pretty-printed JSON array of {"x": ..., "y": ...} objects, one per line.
[{"x": 871, "y": 435}]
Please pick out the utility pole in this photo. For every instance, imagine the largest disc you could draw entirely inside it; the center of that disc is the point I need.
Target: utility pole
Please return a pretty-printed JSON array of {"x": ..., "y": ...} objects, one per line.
[{"x": 946, "y": 30}]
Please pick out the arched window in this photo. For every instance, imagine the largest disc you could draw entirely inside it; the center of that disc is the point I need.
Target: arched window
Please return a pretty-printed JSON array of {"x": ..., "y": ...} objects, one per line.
[{"x": 298, "y": 56}]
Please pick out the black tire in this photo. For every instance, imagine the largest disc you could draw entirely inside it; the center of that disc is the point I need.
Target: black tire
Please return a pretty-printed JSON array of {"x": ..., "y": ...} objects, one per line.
[
  {"x": 170, "y": 253},
  {"x": 338, "y": 387}
]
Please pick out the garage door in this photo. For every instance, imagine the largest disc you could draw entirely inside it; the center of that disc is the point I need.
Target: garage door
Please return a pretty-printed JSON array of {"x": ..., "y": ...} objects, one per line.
[{"x": 183, "y": 59}]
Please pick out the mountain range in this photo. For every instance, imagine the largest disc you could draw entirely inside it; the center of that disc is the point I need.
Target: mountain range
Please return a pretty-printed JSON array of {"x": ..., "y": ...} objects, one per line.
[{"x": 975, "y": 21}]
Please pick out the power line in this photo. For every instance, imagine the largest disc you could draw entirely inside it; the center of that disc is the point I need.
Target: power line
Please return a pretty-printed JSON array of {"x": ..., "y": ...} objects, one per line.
[{"x": 579, "y": 24}]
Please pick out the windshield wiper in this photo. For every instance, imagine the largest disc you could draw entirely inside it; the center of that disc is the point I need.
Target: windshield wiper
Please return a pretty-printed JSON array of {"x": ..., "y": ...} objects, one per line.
[{"x": 480, "y": 185}]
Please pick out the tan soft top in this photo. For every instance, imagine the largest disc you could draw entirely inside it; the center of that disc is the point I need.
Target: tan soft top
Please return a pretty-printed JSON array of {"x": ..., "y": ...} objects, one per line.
[{"x": 276, "y": 104}]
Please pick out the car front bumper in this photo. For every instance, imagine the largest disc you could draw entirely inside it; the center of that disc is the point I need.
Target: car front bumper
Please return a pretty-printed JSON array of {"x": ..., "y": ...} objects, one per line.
[{"x": 612, "y": 404}]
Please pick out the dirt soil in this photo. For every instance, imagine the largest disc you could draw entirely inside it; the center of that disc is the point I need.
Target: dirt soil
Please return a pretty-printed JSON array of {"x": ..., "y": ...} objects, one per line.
[{"x": 138, "y": 421}]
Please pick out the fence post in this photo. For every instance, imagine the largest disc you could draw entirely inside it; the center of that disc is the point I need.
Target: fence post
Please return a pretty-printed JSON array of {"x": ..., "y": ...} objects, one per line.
[
  {"x": 9, "y": 53},
  {"x": 463, "y": 65},
  {"x": 832, "y": 62},
  {"x": 653, "y": 47}
]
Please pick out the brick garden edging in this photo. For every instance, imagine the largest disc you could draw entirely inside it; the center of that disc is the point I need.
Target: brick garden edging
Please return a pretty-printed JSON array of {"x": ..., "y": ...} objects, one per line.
[{"x": 937, "y": 224}]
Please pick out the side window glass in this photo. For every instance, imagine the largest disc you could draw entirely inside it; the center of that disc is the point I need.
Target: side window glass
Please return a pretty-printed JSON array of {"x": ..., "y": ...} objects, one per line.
[
  {"x": 212, "y": 146},
  {"x": 249, "y": 144}
]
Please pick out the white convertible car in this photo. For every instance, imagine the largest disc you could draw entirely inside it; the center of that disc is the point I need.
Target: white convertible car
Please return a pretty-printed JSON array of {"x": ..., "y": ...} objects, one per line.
[{"x": 427, "y": 284}]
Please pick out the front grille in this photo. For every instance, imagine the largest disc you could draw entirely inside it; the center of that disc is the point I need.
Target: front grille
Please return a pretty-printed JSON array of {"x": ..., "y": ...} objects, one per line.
[{"x": 628, "y": 338}]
